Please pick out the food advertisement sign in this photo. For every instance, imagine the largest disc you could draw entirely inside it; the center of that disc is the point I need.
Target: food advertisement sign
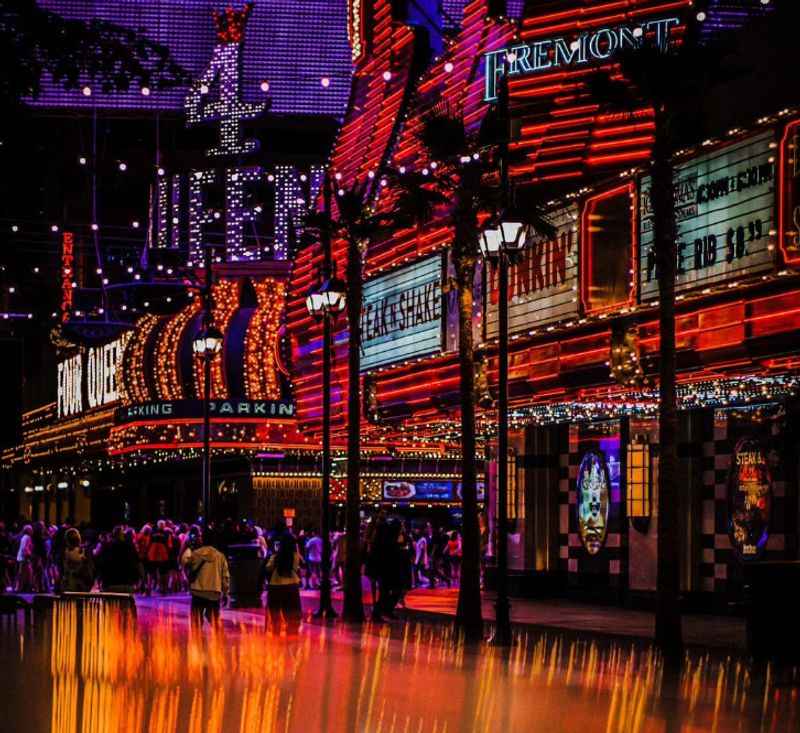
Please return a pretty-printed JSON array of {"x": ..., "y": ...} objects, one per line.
[
  {"x": 593, "y": 501},
  {"x": 402, "y": 314},
  {"x": 543, "y": 285},
  {"x": 401, "y": 490},
  {"x": 725, "y": 213},
  {"x": 749, "y": 500}
]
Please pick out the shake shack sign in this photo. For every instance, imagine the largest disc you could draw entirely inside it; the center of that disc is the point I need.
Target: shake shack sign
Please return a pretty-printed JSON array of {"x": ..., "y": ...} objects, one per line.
[
  {"x": 402, "y": 314},
  {"x": 181, "y": 409}
]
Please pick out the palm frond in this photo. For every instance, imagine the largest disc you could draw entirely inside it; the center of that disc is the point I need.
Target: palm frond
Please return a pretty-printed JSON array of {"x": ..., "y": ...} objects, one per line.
[{"x": 444, "y": 134}]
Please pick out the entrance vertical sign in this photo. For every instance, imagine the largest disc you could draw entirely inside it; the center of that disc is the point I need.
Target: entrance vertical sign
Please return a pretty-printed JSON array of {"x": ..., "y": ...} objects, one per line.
[{"x": 67, "y": 273}]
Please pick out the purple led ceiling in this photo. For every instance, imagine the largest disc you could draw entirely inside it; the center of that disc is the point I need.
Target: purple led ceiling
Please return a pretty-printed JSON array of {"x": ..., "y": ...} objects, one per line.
[{"x": 292, "y": 44}]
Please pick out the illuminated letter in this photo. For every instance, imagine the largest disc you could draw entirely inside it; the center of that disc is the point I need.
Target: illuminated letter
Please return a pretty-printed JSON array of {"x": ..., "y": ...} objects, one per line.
[{"x": 494, "y": 70}]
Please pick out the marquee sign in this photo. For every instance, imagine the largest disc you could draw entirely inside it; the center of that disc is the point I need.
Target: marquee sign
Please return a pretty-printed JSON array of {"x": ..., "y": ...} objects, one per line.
[
  {"x": 542, "y": 287},
  {"x": 89, "y": 379},
  {"x": 724, "y": 207},
  {"x": 167, "y": 410},
  {"x": 402, "y": 314},
  {"x": 549, "y": 54}
]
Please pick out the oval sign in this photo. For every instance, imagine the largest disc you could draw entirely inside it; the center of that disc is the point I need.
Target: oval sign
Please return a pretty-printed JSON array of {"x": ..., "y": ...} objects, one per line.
[
  {"x": 749, "y": 500},
  {"x": 593, "y": 501}
]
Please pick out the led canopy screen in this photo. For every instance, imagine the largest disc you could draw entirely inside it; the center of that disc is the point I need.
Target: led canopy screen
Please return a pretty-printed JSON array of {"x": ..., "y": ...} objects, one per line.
[{"x": 291, "y": 44}]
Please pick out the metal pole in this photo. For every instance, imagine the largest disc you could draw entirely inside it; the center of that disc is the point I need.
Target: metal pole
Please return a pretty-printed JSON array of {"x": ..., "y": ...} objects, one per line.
[
  {"x": 325, "y": 609},
  {"x": 206, "y": 480},
  {"x": 502, "y": 606}
]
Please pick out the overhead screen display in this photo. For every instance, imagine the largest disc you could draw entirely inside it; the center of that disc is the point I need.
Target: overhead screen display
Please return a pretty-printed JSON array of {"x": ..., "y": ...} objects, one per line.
[{"x": 290, "y": 44}]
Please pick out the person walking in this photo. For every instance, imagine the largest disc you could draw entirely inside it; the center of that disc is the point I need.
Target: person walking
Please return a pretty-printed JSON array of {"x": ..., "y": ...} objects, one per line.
[
  {"x": 118, "y": 564},
  {"x": 313, "y": 560},
  {"x": 420, "y": 558},
  {"x": 208, "y": 575},
  {"x": 25, "y": 559},
  {"x": 283, "y": 591},
  {"x": 77, "y": 575}
]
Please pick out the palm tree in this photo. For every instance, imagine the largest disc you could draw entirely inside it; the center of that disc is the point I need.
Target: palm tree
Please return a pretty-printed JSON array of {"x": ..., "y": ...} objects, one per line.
[
  {"x": 460, "y": 186},
  {"x": 357, "y": 225},
  {"x": 676, "y": 81}
]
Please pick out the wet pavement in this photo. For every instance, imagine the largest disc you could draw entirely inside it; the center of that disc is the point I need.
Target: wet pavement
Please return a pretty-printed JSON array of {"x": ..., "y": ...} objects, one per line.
[{"x": 92, "y": 669}]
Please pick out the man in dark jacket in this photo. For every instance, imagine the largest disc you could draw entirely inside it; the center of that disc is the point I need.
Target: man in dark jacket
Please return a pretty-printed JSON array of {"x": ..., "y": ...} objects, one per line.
[{"x": 119, "y": 565}]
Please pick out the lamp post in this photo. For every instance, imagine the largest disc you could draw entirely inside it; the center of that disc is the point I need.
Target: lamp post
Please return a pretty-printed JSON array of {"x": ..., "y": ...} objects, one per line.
[
  {"x": 499, "y": 245},
  {"x": 207, "y": 344},
  {"x": 324, "y": 303}
]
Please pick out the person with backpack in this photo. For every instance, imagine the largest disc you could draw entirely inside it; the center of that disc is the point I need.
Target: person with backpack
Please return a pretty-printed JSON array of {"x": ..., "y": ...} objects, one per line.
[
  {"x": 77, "y": 575},
  {"x": 208, "y": 575}
]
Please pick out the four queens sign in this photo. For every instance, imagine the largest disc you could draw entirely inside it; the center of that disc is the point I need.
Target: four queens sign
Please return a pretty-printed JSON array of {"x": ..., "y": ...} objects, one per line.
[
  {"x": 402, "y": 315},
  {"x": 724, "y": 207}
]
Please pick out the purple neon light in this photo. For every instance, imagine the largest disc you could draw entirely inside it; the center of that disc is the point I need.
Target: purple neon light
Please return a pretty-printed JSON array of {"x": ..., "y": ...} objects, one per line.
[{"x": 289, "y": 43}]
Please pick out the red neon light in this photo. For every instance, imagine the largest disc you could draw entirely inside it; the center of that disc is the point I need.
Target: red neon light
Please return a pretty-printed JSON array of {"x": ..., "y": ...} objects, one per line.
[
  {"x": 628, "y": 189},
  {"x": 791, "y": 254},
  {"x": 67, "y": 273}
]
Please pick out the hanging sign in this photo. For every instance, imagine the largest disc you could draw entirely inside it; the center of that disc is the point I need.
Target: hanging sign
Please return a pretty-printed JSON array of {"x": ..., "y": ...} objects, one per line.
[
  {"x": 543, "y": 285},
  {"x": 749, "y": 500},
  {"x": 593, "y": 501},
  {"x": 67, "y": 273},
  {"x": 724, "y": 209},
  {"x": 402, "y": 314}
]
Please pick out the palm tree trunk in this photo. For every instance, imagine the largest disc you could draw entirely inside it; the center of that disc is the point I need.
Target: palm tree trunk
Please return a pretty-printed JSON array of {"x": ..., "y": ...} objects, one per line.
[
  {"x": 353, "y": 609},
  {"x": 668, "y": 617},
  {"x": 469, "y": 595}
]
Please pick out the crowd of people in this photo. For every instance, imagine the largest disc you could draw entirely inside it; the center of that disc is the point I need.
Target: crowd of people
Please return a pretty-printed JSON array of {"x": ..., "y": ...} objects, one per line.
[{"x": 166, "y": 557}]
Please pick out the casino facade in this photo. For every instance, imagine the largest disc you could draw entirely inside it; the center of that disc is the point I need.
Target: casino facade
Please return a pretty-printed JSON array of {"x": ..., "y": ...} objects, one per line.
[{"x": 122, "y": 438}]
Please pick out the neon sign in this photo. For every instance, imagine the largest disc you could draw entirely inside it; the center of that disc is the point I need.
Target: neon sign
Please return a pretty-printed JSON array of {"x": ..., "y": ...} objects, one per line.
[
  {"x": 67, "y": 262},
  {"x": 526, "y": 59}
]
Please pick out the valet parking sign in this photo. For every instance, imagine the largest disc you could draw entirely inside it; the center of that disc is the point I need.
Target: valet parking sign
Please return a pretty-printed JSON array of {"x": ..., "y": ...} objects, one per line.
[{"x": 725, "y": 203}]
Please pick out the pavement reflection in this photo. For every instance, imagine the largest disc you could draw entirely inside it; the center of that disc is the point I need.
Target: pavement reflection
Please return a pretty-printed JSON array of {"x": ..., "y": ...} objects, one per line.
[{"x": 96, "y": 669}]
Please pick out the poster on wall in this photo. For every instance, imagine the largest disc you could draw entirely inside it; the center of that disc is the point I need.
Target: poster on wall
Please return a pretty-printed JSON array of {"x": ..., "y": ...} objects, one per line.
[
  {"x": 749, "y": 500},
  {"x": 543, "y": 285},
  {"x": 593, "y": 501},
  {"x": 724, "y": 210},
  {"x": 402, "y": 314}
]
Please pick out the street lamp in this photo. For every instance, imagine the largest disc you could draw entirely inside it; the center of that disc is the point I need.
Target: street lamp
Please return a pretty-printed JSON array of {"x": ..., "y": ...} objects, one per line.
[
  {"x": 207, "y": 344},
  {"x": 325, "y": 303},
  {"x": 499, "y": 245}
]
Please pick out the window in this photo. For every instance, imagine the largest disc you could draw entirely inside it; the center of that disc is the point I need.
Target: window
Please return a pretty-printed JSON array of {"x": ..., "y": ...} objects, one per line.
[{"x": 640, "y": 479}]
